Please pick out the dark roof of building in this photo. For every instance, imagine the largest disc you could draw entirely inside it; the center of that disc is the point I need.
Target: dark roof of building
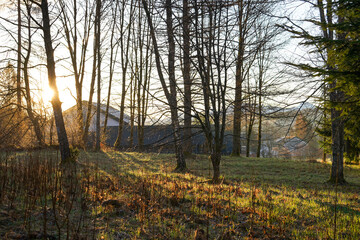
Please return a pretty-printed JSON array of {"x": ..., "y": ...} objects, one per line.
[{"x": 113, "y": 112}]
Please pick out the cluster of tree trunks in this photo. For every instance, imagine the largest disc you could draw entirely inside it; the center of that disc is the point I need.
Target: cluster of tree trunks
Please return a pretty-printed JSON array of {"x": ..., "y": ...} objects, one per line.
[{"x": 202, "y": 50}]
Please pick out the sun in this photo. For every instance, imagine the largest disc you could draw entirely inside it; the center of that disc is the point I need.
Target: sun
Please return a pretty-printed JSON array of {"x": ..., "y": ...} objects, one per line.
[
  {"x": 66, "y": 98},
  {"x": 47, "y": 94}
]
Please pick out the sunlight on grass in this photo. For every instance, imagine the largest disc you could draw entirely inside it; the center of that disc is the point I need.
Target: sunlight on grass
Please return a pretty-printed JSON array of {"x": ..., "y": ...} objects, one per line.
[
  {"x": 286, "y": 197},
  {"x": 137, "y": 196}
]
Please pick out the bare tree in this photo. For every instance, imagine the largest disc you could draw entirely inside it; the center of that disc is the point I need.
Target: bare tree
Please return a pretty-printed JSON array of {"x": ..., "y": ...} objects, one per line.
[
  {"x": 96, "y": 46},
  {"x": 250, "y": 116},
  {"x": 124, "y": 52},
  {"x": 212, "y": 40},
  {"x": 248, "y": 13},
  {"x": 170, "y": 95},
  {"x": 187, "y": 79},
  {"x": 243, "y": 18},
  {"x": 34, "y": 120},
  {"x": 98, "y": 37},
  {"x": 266, "y": 33},
  {"x": 132, "y": 93},
  {"x": 145, "y": 92},
  {"x": 114, "y": 45},
  {"x": 181, "y": 164},
  {"x": 70, "y": 21},
  {"x": 261, "y": 75},
  {"x": 142, "y": 77},
  {"x": 18, "y": 75},
  {"x": 56, "y": 103}
]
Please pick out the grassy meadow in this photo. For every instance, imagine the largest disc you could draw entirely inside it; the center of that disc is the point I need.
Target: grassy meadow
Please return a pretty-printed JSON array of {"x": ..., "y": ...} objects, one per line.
[{"x": 125, "y": 195}]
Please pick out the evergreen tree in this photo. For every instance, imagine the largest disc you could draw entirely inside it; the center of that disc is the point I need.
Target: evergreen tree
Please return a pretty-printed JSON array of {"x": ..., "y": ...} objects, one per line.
[
  {"x": 345, "y": 70},
  {"x": 346, "y": 61},
  {"x": 339, "y": 46}
]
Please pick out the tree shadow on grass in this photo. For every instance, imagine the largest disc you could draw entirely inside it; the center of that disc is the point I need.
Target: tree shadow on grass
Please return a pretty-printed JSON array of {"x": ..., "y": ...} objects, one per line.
[
  {"x": 152, "y": 188},
  {"x": 342, "y": 208},
  {"x": 281, "y": 172},
  {"x": 149, "y": 193}
]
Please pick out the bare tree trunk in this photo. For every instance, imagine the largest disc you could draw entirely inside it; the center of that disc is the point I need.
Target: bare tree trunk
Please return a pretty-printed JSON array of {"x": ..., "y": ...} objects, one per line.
[
  {"x": 215, "y": 160},
  {"x": 92, "y": 85},
  {"x": 181, "y": 164},
  {"x": 251, "y": 113},
  {"x": 59, "y": 120},
  {"x": 124, "y": 49},
  {"x": 140, "y": 80},
  {"x": 260, "y": 92},
  {"x": 98, "y": 26},
  {"x": 247, "y": 14},
  {"x": 203, "y": 70},
  {"x": 238, "y": 86},
  {"x": 18, "y": 75},
  {"x": 78, "y": 85},
  {"x": 171, "y": 98},
  {"x": 29, "y": 109},
  {"x": 248, "y": 136},
  {"x": 260, "y": 121},
  {"x": 132, "y": 107},
  {"x": 111, "y": 65},
  {"x": 145, "y": 93},
  {"x": 135, "y": 75},
  {"x": 187, "y": 80}
]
